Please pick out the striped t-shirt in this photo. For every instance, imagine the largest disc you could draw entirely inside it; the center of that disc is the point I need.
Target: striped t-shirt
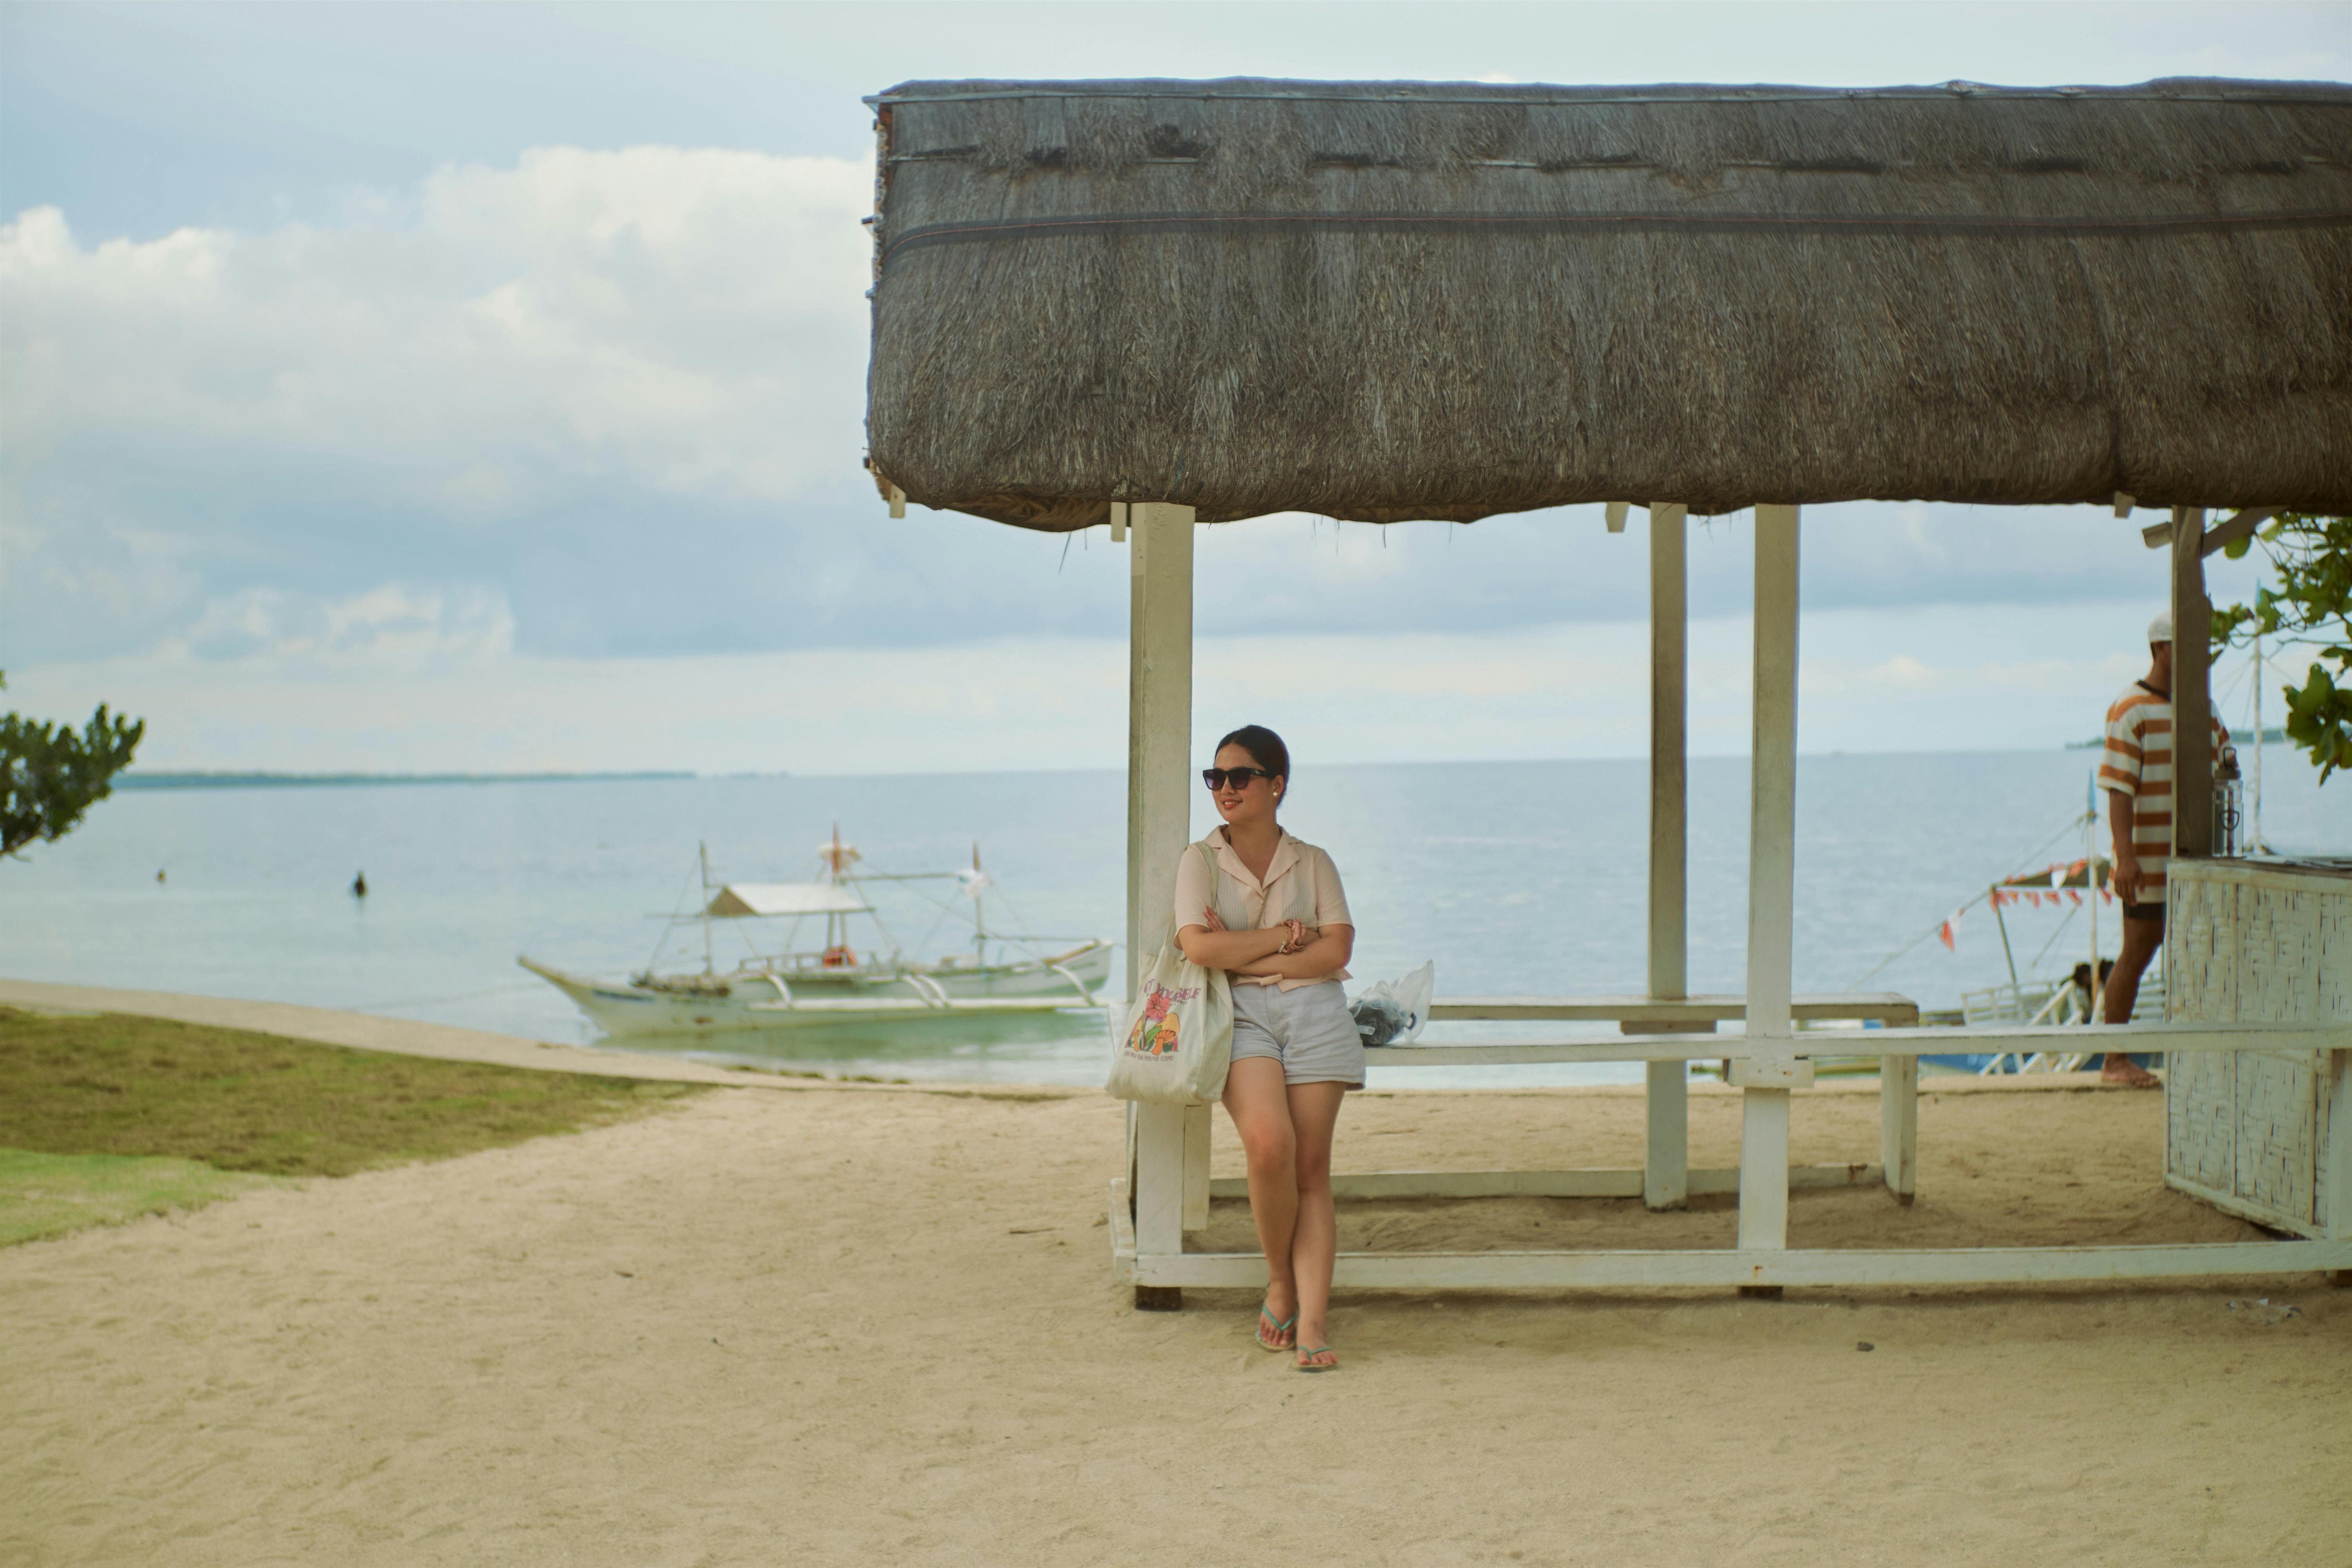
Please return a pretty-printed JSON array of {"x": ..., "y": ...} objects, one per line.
[{"x": 2137, "y": 762}]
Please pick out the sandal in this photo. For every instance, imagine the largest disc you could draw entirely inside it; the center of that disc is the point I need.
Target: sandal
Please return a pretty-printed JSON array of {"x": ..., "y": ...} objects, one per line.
[
  {"x": 1266, "y": 1320},
  {"x": 1320, "y": 1350}
]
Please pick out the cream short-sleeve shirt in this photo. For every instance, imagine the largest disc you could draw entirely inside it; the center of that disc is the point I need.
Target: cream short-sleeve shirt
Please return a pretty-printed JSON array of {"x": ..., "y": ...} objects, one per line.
[{"x": 1300, "y": 884}]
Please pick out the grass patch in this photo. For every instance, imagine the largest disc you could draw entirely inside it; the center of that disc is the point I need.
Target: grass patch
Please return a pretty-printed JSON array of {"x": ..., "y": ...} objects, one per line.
[
  {"x": 236, "y": 1100},
  {"x": 50, "y": 1194}
]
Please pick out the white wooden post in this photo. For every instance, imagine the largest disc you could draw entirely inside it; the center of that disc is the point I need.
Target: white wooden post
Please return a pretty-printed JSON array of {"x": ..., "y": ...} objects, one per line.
[
  {"x": 1772, "y": 889},
  {"x": 1158, "y": 825},
  {"x": 2337, "y": 1177},
  {"x": 1666, "y": 1163},
  {"x": 1898, "y": 1125},
  {"x": 1197, "y": 1127}
]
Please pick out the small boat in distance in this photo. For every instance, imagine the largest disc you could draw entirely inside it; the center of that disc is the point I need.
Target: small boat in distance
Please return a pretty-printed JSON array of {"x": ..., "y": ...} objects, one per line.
[{"x": 799, "y": 987}]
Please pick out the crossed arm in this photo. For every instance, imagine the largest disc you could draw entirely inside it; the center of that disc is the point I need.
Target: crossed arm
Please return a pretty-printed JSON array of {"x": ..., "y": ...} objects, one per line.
[{"x": 1314, "y": 954}]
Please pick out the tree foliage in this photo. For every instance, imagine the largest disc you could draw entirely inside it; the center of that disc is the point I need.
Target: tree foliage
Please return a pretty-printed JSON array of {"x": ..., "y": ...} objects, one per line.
[
  {"x": 49, "y": 776},
  {"x": 2309, "y": 606}
]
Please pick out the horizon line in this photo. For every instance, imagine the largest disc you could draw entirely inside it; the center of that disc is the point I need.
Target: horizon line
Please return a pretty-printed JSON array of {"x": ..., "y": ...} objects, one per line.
[{"x": 264, "y": 778}]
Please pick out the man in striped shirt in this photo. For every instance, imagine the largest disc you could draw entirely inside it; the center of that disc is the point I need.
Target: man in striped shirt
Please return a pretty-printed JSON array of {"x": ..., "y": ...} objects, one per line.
[{"x": 2135, "y": 769}]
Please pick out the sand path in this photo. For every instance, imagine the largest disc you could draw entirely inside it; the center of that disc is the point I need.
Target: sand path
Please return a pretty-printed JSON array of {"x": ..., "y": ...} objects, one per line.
[{"x": 825, "y": 1327}]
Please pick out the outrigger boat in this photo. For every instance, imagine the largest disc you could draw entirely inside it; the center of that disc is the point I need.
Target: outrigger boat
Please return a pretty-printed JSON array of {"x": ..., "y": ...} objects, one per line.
[
  {"x": 838, "y": 983},
  {"x": 2037, "y": 999}
]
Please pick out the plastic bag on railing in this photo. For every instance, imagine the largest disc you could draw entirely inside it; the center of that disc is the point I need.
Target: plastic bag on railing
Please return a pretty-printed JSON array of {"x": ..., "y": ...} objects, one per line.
[{"x": 1391, "y": 1012}]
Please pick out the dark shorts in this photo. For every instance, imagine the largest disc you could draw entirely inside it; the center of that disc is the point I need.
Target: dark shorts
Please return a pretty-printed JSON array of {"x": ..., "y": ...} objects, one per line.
[{"x": 2144, "y": 912}]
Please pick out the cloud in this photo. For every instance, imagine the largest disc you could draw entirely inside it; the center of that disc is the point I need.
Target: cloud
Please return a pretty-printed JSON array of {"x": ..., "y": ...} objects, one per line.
[
  {"x": 675, "y": 329},
  {"x": 619, "y": 393},
  {"x": 684, "y": 319},
  {"x": 394, "y": 627}
]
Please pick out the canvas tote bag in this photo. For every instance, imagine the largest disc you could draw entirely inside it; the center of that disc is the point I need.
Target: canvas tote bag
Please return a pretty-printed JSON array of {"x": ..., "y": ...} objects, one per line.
[{"x": 1179, "y": 1034}]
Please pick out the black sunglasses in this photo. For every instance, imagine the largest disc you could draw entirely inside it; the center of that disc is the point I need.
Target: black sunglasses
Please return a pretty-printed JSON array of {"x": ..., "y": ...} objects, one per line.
[{"x": 1215, "y": 777}]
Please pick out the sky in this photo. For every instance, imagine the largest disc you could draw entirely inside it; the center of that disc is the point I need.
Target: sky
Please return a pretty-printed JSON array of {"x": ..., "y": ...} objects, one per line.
[{"x": 480, "y": 387}]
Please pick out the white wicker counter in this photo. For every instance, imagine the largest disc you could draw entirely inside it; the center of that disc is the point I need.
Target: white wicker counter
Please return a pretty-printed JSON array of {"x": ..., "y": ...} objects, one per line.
[{"x": 2265, "y": 1134}]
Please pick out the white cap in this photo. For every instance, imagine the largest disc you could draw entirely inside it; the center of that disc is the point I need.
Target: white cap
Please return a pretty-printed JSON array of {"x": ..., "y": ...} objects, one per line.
[{"x": 2160, "y": 629}]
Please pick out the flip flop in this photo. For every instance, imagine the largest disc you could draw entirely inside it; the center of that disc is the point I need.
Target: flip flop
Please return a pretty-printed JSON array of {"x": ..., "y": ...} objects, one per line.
[
  {"x": 1280, "y": 1328},
  {"x": 1318, "y": 1350}
]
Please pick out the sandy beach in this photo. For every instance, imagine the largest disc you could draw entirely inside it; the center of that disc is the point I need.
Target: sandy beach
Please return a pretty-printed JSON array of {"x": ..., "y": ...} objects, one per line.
[{"x": 862, "y": 1325}]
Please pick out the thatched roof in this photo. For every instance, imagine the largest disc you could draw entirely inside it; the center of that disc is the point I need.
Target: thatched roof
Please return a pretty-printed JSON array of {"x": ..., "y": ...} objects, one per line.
[{"x": 1388, "y": 300}]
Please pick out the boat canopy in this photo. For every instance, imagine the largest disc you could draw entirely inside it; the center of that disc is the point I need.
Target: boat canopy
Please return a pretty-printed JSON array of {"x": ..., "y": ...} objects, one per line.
[{"x": 739, "y": 899}]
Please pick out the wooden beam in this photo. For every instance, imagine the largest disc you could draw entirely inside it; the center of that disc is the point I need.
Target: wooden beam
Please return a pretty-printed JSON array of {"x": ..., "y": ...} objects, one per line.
[
  {"x": 1159, "y": 819},
  {"x": 1898, "y": 1125},
  {"x": 1198, "y": 1127},
  {"x": 1772, "y": 771},
  {"x": 1665, "y": 1143},
  {"x": 1763, "y": 1169},
  {"x": 1770, "y": 1268},
  {"x": 2192, "y": 705},
  {"x": 1881, "y": 1043},
  {"x": 2335, "y": 1177},
  {"x": 2221, "y": 535},
  {"x": 1879, "y": 1006},
  {"x": 1585, "y": 1183},
  {"x": 1771, "y": 881},
  {"x": 1667, "y": 1140}
]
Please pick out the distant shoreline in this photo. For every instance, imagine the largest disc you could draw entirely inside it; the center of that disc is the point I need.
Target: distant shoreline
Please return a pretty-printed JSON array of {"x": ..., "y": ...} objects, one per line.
[
  {"x": 2275, "y": 736},
  {"x": 350, "y": 780}
]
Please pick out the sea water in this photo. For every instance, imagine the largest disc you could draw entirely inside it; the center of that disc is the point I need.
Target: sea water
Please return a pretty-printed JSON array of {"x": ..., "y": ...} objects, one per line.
[{"x": 1513, "y": 877}]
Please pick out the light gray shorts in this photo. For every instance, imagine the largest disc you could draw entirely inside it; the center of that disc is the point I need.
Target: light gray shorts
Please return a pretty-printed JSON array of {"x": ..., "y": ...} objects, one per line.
[{"x": 1309, "y": 1031}]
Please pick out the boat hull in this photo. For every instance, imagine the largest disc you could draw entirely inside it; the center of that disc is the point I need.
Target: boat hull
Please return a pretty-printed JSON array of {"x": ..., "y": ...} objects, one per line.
[{"x": 624, "y": 1009}]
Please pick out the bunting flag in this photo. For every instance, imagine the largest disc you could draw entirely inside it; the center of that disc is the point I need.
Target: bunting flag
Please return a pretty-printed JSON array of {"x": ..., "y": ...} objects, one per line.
[
  {"x": 2075, "y": 894},
  {"x": 1949, "y": 933},
  {"x": 2053, "y": 876}
]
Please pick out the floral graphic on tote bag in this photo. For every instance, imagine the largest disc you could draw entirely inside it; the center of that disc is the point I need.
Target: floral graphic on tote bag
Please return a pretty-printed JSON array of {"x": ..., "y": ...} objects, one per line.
[{"x": 1155, "y": 1032}]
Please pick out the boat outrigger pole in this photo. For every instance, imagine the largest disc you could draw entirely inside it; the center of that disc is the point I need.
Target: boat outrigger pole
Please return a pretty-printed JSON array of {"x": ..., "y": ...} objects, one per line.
[{"x": 709, "y": 965}]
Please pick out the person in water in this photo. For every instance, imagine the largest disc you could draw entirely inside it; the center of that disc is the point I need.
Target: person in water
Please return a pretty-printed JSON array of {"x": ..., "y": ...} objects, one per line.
[{"x": 1274, "y": 917}]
